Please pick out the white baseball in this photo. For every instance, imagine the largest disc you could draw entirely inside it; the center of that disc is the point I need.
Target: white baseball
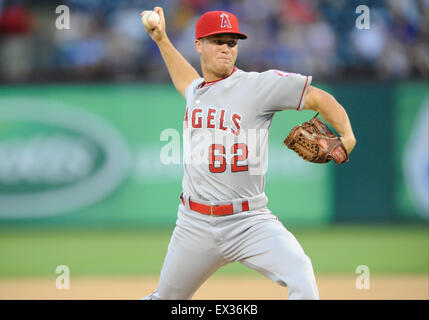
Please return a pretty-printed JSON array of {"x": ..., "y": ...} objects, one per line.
[{"x": 150, "y": 19}]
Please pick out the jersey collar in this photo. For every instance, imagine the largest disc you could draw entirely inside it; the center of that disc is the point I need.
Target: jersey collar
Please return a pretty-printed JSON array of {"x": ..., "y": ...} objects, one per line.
[{"x": 205, "y": 84}]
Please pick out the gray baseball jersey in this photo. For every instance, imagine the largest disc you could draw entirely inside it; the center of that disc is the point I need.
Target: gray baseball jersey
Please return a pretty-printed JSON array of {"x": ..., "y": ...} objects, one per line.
[
  {"x": 226, "y": 128},
  {"x": 225, "y": 146}
]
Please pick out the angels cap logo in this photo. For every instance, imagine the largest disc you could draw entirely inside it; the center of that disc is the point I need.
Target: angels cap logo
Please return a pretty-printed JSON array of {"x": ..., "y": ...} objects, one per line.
[{"x": 225, "y": 23}]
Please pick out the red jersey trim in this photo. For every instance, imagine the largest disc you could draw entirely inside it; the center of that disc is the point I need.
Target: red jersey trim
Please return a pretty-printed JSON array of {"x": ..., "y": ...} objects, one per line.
[
  {"x": 210, "y": 83},
  {"x": 302, "y": 94}
]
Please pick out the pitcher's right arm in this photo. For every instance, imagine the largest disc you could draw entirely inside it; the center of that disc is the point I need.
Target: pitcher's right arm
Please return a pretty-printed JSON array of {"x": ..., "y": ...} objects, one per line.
[{"x": 181, "y": 71}]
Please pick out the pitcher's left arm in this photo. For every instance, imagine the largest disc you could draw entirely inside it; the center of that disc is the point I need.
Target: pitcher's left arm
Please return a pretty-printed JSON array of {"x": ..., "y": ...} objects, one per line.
[{"x": 333, "y": 113}]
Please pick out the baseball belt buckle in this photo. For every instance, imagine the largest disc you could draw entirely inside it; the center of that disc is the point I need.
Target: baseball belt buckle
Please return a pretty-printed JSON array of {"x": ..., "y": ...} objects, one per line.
[{"x": 211, "y": 209}]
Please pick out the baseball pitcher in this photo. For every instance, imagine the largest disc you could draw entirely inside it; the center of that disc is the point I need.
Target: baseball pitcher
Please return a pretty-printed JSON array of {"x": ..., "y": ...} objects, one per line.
[{"x": 223, "y": 215}]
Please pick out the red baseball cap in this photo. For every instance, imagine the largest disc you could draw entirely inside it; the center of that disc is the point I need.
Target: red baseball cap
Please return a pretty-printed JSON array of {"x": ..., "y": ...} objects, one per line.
[{"x": 215, "y": 22}]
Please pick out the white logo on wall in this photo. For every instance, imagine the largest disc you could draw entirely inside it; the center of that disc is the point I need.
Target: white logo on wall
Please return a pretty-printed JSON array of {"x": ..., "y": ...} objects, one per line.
[
  {"x": 56, "y": 158},
  {"x": 416, "y": 161}
]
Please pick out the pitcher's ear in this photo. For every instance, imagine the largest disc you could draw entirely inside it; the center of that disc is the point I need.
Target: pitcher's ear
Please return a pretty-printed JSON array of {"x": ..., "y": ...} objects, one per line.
[{"x": 198, "y": 44}]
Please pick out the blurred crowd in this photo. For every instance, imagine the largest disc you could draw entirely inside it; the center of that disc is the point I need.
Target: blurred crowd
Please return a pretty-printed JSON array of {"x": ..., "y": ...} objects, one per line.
[{"x": 107, "y": 42}]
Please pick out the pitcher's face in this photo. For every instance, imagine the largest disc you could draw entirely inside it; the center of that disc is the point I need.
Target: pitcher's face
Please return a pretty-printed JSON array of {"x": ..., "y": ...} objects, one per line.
[{"x": 218, "y": 53}]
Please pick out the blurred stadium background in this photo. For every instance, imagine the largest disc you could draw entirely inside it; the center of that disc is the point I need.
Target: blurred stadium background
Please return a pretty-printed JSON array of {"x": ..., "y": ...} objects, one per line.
[{"x": 82, "y": 112}]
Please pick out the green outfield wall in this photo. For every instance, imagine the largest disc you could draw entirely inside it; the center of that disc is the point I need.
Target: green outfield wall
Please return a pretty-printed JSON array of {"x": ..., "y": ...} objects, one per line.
[
  {"x": 412, "y": 151},
  {"x": 89, "y": 155}
]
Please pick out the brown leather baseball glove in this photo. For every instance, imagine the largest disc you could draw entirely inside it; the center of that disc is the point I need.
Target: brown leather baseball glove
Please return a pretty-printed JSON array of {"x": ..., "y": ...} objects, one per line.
[{"x": 315, "y": 142}]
